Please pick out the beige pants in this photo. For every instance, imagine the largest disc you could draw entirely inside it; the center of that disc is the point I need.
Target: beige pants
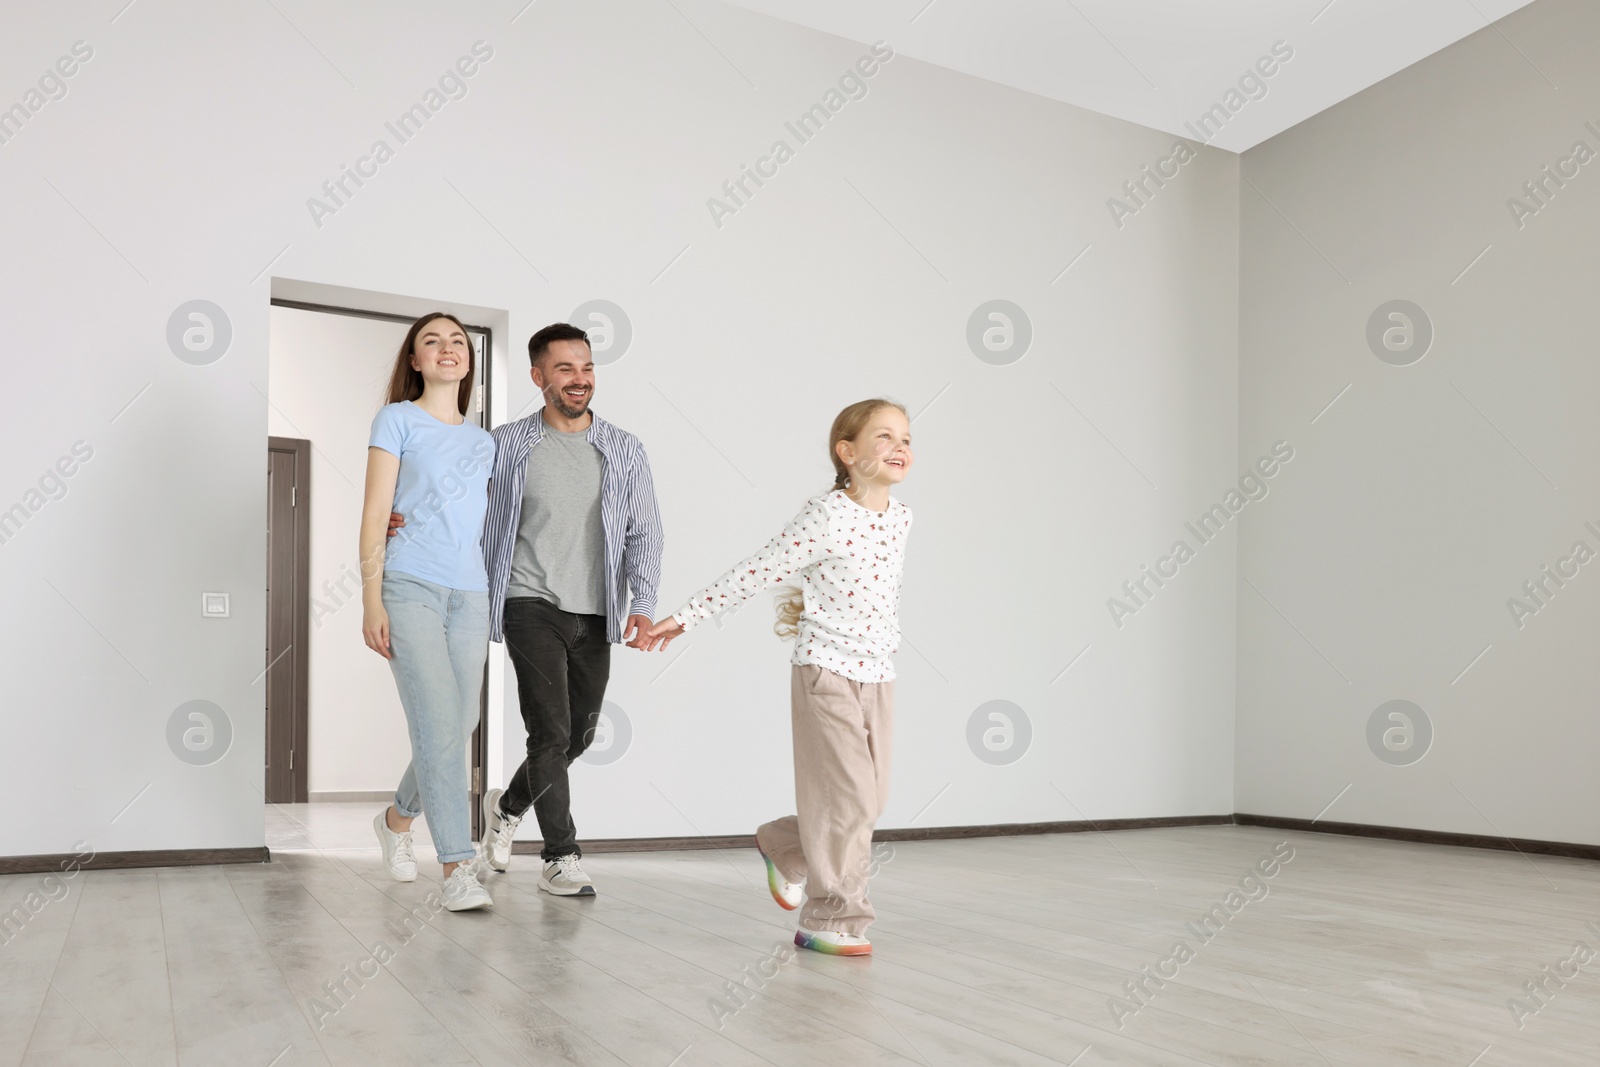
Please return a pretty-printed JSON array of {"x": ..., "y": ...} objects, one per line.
[{"x": 843, "y": 734}]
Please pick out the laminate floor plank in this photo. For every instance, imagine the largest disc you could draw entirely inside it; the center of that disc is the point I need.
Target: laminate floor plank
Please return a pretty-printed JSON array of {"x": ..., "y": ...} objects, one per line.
[
  {"x": 1012, "y": 951},
  {"x": 36, "y": 913}
]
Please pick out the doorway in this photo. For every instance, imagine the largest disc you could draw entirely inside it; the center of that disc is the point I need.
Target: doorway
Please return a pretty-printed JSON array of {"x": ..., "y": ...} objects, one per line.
[{"x": 328, "y": 368}]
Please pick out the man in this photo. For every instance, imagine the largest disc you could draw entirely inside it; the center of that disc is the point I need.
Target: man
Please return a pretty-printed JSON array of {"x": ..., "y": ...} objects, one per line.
[{"x": 572, "y": 530}]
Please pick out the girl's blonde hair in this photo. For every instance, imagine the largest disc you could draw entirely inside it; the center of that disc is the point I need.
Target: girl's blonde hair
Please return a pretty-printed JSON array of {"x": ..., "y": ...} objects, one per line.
[{"x": 847, "y": 425}]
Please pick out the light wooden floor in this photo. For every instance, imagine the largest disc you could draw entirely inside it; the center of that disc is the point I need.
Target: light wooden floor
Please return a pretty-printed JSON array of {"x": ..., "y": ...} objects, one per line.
[{"x": 995, "y": 951}]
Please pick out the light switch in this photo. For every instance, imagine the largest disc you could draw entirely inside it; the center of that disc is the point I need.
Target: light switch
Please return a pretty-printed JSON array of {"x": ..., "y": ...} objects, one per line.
[{"x": 214, "y": 605}]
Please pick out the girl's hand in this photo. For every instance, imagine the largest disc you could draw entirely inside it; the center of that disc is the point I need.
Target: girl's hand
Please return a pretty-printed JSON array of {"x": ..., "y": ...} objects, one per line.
[
  {"x": 665, "y": 631},
  {"x": 375, "y": 631}
]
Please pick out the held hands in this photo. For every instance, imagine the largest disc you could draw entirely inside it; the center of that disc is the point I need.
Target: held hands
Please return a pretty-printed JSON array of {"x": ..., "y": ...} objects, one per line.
[
  {"x": 633, "y": 632},
  {"x": 641, "y": 634},
  {"x": 396, "y": 520},
  {"x": 661, "y": 634}
]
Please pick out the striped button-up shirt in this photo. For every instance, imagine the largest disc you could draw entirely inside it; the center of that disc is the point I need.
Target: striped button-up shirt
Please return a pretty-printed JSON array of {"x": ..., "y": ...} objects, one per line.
[{"x": 628, "y": 514}]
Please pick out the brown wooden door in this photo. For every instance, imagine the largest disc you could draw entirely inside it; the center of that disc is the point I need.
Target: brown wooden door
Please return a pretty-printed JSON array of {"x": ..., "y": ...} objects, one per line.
[{"x": 288, "y": 617}]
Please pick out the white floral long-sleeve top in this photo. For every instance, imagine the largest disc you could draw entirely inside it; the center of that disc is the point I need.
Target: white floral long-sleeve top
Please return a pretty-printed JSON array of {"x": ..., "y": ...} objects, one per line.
[{"x": 849, "y": 560}]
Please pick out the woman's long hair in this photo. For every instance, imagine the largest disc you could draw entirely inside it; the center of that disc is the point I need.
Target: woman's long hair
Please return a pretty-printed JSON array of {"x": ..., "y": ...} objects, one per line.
[
  {"x": 406, "y": 381},
  {"x": 847, "y": 425}
]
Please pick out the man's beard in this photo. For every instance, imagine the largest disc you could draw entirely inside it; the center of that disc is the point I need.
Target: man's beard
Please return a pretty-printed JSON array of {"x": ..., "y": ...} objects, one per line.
[{"x": 563, "y": 405}]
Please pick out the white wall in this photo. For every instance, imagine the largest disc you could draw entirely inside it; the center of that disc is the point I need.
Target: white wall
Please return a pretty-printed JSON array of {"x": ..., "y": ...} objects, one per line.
[
  {"x": 1421, "y": 501},
  {"x": 578, "y": 167}
]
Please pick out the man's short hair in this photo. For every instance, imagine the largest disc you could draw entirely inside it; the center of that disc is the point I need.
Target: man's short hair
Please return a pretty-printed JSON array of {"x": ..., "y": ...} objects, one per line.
[{"x": 539, "y": 343}]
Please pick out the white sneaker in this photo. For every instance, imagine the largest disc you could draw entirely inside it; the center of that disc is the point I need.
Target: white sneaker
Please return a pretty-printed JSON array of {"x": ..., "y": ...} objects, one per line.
[
  {"x": 833, "y": 942},
  {"x": 463, "y": 891},
  {"x": 480, "y": 866},
  {"x": 789, "y": 895},
  {"x": 565, "y": 878},
  {"x": 398, "y": 858},
  {"x": 498, "y": 831}
]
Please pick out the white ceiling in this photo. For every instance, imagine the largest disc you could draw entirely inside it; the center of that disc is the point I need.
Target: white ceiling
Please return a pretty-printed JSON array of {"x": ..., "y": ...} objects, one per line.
[{"x": 1162, "y": 63}]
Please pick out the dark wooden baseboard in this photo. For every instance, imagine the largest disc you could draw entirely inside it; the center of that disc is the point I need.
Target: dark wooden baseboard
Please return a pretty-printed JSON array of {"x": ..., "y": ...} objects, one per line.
[
  {"x": 190, "y": 857},
  {"x": 947, "y": 833},
  {"x": 177, "y": 857},
  {"x": 644, "y": 844},
  {"x": 930, "y": 833},
  {"x": 1075, "y": 826},
  {"x": 1425, "y": 837}
]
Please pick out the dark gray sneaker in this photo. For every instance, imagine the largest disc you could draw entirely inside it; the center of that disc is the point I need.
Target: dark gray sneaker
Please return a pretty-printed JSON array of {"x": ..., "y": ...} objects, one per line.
[{"x": 565, "y": 878}]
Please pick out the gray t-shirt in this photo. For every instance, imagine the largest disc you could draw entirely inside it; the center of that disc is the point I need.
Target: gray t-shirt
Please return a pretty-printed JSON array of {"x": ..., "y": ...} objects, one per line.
[{"x": 560, "y": 551}]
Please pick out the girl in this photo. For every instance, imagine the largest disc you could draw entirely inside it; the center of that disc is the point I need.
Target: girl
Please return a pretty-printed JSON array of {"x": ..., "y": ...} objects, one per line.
[
  {"x": 425, "y": 599},
  {"x": 847, "y": 546}
]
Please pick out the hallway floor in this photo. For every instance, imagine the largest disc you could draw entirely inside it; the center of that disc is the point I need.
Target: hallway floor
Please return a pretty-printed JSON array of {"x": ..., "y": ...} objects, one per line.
[{"x": 987, "y": 951}]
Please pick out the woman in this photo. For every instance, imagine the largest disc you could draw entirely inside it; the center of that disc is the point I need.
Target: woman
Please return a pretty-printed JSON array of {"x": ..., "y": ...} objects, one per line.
[{"x": 425, "y": 596}]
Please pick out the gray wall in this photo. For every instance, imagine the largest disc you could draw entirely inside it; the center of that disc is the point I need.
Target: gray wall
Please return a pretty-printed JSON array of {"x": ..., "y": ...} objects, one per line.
[
  {"x": 178, "y": 166},
  {"x": 1419, "y": 503}
]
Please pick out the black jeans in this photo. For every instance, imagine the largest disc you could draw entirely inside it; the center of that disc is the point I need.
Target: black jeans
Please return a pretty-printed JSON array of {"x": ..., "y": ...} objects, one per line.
[{"x": 563, "y": 663}]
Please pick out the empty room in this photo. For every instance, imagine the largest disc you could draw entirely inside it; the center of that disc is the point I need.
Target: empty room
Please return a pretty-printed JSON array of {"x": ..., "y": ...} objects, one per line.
[{"x": 712, "y": 532}]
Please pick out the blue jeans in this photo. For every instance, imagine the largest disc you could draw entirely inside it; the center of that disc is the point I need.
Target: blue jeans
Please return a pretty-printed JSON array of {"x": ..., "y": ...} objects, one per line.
[{"x": 439, "y": 638}]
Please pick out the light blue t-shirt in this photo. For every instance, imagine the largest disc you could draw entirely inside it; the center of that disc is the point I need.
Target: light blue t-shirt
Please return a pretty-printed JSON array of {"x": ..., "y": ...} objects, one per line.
[{"x": 442, "y": 494}]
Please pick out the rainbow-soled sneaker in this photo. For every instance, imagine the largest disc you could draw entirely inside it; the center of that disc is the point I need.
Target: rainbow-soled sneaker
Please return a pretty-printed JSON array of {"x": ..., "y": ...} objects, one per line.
[
  {"x": 833, "y": 942},
  {"x": 787, "y": 894}
]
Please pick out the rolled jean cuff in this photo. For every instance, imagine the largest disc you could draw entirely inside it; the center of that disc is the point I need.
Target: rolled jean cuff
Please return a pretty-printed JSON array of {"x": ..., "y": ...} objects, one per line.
[
  {"x": 458, "y": 857},
  {"x": 400, "y": 809}
]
